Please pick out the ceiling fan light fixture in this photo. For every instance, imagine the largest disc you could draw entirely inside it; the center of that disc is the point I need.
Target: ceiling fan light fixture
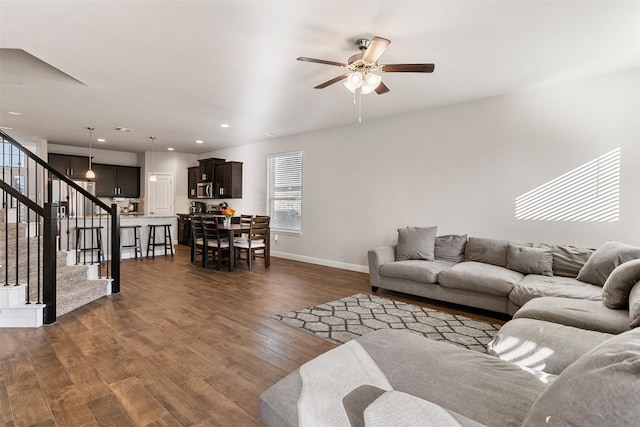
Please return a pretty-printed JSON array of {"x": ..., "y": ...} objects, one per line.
[
  {"x": 371, "y": 82},
  {"x": 354, "y": 81}
]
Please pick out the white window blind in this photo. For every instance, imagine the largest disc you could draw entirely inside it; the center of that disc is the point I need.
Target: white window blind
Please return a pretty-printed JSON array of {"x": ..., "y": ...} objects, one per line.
[{"x": 284, "y": 192}]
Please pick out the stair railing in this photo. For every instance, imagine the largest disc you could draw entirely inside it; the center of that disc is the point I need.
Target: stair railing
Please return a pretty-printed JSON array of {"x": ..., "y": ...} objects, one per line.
[{"x": 48, "y": 209}]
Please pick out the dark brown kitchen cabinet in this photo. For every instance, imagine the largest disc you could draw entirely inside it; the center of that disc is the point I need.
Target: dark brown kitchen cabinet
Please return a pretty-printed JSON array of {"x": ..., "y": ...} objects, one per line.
[
  {"x": 192, "y": 179},
  {"x": 75, "y": 167},
  {"x": 207, "y": 169},
  {"x": 117, "y": 181},
  {"x": 228, "y": 180}
]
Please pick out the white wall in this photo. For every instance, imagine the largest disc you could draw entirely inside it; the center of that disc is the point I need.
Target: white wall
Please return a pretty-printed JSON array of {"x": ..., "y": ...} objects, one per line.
[{"x": 458, "y": 167}]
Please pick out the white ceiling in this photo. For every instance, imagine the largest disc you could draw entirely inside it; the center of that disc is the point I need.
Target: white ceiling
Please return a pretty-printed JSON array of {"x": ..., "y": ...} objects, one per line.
[{"x": 178, "y": 69}]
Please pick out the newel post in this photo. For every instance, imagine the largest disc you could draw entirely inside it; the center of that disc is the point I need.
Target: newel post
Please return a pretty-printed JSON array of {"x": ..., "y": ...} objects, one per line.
[
  {"x": 49, "y": 262},
  {"x": 115, "y": 249}
]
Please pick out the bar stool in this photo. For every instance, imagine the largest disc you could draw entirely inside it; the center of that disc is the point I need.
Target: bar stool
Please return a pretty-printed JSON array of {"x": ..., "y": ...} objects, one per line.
[
  {"x": 137, "y": 245},
  {"x": 94, "y": 238},
  {"x": 167, "y": 243}
]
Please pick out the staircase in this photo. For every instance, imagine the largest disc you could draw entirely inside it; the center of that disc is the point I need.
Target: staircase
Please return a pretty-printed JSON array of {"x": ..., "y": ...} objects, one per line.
[{"x": 77, "y": 285}]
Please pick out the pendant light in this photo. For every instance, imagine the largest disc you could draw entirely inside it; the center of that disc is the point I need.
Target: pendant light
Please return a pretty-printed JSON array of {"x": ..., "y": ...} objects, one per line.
[
  {"x": 153, "y": 177},
  {"x": 90, "y": 173}
]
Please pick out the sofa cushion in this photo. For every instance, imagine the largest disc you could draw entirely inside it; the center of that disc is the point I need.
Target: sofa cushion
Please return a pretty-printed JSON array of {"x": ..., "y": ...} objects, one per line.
[
  {"x": 417, "y": 270},
  {"x": 615, "y": 293},
  {"x": 583, "y": 314},
  {"x": 605, "y": 259},
  {"x": 480, "y": 277},
  {"x": 488, "y": 251},
  {"x": 416, "y": 243},
  {"x": 529, "y": 260},
  {"x": 634, "y": 307},
  {"x": 475, "y": 385},
  {"x": 451, "y": 247},
  {"x": 540, "y": 345},
  {"x": 534, "y": 285},
  {"x": 599, "y": 389},
  {"x": 568, "y": 260}
]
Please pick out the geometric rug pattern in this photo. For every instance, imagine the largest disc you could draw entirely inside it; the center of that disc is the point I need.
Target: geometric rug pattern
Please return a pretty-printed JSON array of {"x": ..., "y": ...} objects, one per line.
[{"x": 348, "y": 318}]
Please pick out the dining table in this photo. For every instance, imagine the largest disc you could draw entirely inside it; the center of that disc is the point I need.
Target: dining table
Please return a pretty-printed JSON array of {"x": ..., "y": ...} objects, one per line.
[{"x": 234, "y": 230}]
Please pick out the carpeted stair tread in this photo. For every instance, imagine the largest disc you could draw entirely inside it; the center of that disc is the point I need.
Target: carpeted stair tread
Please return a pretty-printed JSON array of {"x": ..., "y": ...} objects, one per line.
[
  {"x": 71, "y": 297},
  {"x": 69, "y": 275}
]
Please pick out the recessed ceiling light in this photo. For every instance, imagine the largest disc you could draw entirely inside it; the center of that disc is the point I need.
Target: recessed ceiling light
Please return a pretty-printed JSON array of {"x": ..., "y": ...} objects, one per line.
[
  {"x": 102, "y": 140},
  {"x": 271, "y": 134},
  {"x": 121, "y": 129},
  {"x": 199, "y": 141},
  {"x": 170, "y": 149},
  {"x": 5, "y": 128},
  {"x": 15, "y": 113},
  {"x": 224, "y": 125}
]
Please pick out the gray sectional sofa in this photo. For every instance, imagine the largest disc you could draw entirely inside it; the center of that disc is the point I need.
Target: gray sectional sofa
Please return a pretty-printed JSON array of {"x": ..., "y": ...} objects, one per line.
[
  {"x": 491, "y": 274},
  {"x": 569, "y": 356}
]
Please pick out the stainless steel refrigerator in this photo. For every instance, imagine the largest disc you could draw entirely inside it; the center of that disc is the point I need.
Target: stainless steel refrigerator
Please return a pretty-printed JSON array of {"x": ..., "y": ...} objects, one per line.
[{"x": 73, "y": 203}]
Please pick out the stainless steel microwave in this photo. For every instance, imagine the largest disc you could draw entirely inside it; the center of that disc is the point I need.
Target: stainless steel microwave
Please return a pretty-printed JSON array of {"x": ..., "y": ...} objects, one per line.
[{"x": 205, "y": 190}]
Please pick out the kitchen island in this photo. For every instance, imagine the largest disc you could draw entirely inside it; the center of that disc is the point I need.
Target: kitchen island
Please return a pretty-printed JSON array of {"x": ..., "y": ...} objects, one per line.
[{"x": 68, "y": 227}]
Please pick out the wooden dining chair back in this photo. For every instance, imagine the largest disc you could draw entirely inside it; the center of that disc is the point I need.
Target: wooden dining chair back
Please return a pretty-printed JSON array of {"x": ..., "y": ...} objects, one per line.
[
  {"x": 257, "y": 241},
  {"x": 215, "y": 243},
  {"x": 197, "y": 239}
]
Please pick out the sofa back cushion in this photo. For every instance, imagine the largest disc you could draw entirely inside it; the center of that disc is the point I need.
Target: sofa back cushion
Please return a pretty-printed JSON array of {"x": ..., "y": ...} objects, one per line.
[
  {"x": 416, "y": 243},
  {"x": 529, "y": 260},
  {"x": 451, "y": 247},
  {"x": 600, "y": 388},
  {"x": 568, "y": 260},
  {"x": 605, "y": 259},
  {"x": 488, "y": 251},
  {"x": 615, "y": 293}
]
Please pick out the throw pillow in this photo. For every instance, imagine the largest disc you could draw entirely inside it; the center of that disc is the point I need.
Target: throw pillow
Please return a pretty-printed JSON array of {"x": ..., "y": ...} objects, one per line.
[
  {"x": 598, "y": 389},
  {"x": 604, "y": 260},
  {"x": 488, "y": 251},
  {"x": 416, "y": 243},
  {"x": 528, "y": 260},
  {"x": 451, "y": 247},
  {"x": 568, "y": 260},
  {"x": 615, "y": 293},
  {"x": 634, "y": 307}
]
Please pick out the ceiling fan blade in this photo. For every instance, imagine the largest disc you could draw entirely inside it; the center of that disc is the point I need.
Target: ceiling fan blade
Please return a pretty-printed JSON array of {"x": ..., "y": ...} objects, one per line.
[
  {"x": 332, "y": 81},
  {"x": 382, "y": 88},
  {"x": 321, "y": 61},
  {"x": 375, "y": 49},
  {"x": 408, "y": 68}
]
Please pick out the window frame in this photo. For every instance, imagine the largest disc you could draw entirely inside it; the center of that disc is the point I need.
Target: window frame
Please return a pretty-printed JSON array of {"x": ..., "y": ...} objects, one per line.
[{"x": 270, "y": 190}]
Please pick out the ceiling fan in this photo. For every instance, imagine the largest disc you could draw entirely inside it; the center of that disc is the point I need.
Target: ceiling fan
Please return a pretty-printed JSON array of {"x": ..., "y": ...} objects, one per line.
[{"x": 362, "y": 67}]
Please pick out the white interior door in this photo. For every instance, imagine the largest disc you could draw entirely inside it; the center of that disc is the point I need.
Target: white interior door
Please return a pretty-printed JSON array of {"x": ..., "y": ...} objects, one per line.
[{"x": 161, "y": 195}]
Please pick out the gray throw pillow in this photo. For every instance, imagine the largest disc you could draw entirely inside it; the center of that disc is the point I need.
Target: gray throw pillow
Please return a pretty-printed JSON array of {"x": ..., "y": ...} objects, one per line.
[
  {"x": 451, "y": 247},
  {"x": 528, "y": 260},
  {"x": 634, "y": 307},
  {"x": 488, "y": 251},
  {"x": 416, "y": 243},
  {"x": 568, "y": 260},
  {"x": 598, "y": 389},
  {"x": 604, "y": 260},
  {"x": 615, "y": 293}
]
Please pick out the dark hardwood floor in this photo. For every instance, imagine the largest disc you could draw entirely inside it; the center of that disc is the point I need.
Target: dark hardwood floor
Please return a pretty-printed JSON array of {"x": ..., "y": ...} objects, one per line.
[{"x": 180, "y": 345}]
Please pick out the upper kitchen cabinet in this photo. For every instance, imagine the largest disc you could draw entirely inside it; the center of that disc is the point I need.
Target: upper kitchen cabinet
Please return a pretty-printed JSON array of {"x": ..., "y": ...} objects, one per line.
[
  {"x": 228, "y": 180},
  {"x": 207, "y": 169},
  {"x": 192, "y": 181},
  {"x": 117, "y": 181},
  {"x": 74, "y": 167}
]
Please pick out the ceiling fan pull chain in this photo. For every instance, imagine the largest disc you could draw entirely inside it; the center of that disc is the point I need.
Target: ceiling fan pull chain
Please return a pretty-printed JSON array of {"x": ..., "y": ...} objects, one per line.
[{"x": 359, "y": 105}]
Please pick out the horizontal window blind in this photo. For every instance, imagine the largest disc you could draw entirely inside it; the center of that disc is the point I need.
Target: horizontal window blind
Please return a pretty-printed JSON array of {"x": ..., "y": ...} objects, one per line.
[{"x": 284, "y": 192}]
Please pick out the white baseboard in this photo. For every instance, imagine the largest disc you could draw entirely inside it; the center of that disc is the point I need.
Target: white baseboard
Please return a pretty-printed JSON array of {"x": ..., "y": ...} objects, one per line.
[{"x": 320, "y": 261}]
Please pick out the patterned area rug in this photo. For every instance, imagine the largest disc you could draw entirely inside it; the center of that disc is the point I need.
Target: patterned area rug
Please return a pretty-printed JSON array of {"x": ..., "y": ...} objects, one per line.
[{"x": 348, "y": 318}]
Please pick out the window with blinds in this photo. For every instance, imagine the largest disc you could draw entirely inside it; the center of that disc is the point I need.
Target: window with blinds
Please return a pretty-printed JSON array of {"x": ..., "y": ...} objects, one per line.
[{"x": 284, "y": 192}]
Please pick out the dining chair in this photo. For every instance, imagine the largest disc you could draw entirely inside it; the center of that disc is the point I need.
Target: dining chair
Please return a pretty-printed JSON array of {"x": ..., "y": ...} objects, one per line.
[
  {"x": 214, "y": 243},
  {"x": 197, "y": 239},
  {"x": 256, "y": 242},
  {"x": 245, "y": 221}
]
